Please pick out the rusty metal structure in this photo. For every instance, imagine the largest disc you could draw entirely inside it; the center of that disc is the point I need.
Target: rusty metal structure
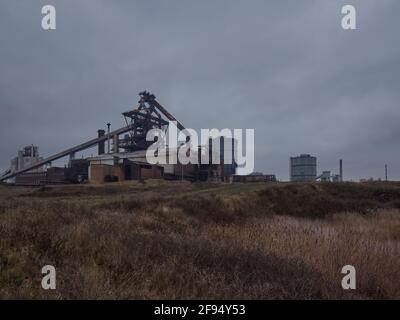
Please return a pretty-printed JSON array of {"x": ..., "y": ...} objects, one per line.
[
  {"x": 141, "y": 120},
  {"x": 147, "y": 116}
]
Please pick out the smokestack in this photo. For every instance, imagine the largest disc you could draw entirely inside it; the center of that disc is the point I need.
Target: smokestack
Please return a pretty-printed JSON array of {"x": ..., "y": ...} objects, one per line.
[
  {"x": 108, "y": 137},
  {"x": 386, "y": 172},
  {"x": 101, "y": 144},
  {"x": 341, "y": 170}
]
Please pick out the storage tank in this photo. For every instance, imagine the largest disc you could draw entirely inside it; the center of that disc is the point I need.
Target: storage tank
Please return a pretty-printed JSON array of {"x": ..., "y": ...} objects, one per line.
[{"x": 303, "y": 168}]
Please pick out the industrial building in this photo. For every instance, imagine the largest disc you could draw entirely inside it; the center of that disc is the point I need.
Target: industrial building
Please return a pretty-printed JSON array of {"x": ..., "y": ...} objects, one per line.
[
  {"x": 76, "y": 172},
  {"x": 25, "y": 158},
  {"x": 255, "y": 177},
  {"x": 327, "y": 176},
  {"x": 133, "y": 165},
  {"x": 303, "y": 168},
  {"x": 122, "y": 155}
]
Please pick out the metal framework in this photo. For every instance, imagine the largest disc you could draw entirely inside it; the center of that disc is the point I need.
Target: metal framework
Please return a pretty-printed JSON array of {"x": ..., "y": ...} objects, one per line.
[
  {"x": 141, "y": 120},
  {"x": 144, "y": 118}
]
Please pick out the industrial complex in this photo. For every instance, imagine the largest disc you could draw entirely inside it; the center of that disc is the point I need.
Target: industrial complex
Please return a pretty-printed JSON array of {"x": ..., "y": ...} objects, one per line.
[
  {"x": 304, "y": 169},
  {"x": 122, "y": 155}
]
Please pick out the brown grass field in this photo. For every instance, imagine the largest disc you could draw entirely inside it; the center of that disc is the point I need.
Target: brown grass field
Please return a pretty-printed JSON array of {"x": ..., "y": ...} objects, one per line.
[{"x": 175, "y": 240}]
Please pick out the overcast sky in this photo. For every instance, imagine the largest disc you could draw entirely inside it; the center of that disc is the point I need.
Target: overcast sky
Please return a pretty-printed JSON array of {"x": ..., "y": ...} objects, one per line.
[{"x": 283, "y": 67}]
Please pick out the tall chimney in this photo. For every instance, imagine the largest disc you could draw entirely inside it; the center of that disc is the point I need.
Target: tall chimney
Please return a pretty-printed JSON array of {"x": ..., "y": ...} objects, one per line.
[
  {"x": 386, "y": 172},
  {"x": 101, "y": 133},
  {"x": 341, "y": 170},
  {"x": 108, "y": 137}
]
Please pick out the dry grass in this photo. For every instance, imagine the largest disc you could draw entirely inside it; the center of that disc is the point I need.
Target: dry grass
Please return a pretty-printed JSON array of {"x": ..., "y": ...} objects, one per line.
[{"x": 162, "y": 240}]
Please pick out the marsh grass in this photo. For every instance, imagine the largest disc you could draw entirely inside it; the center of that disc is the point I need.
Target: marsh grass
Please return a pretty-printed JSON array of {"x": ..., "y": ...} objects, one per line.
[{"x": 187, "y": 241}]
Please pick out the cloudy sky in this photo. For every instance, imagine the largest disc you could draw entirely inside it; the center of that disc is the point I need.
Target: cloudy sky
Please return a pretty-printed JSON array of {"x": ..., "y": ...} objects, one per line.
[{"x": 283, "y": 67}]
